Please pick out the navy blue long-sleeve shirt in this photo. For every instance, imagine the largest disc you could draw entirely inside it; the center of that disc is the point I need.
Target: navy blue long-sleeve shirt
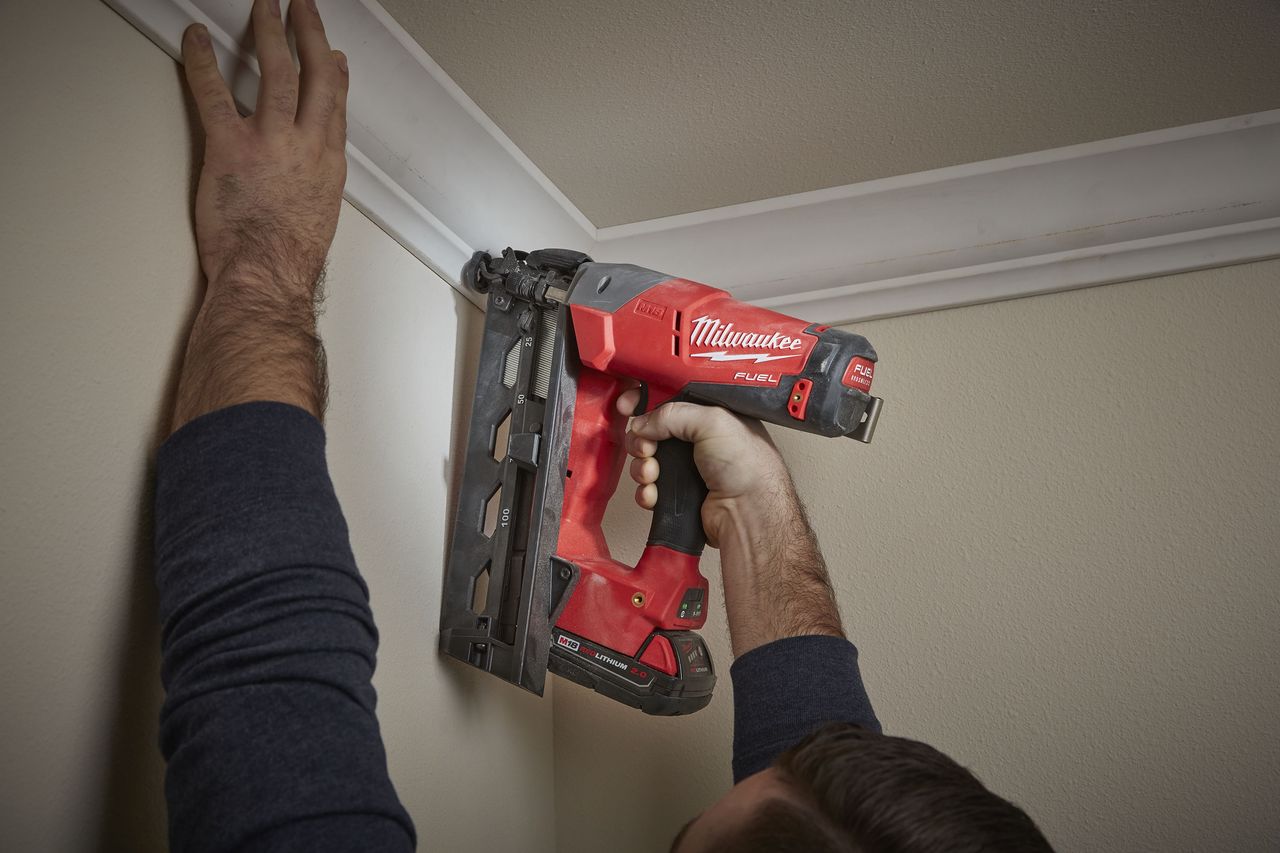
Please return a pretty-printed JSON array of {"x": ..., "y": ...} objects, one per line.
[{"x": 268, "y": 725}]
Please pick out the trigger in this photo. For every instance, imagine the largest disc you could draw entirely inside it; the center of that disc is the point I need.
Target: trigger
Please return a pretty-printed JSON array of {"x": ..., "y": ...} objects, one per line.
[{"x": 643, "y": 405}]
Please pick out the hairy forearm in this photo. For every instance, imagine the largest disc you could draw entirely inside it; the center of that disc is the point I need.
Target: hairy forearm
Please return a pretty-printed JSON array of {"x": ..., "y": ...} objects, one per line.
[
  {"x": 254, "y": 339},
  {"x": 775, "y": 580}
]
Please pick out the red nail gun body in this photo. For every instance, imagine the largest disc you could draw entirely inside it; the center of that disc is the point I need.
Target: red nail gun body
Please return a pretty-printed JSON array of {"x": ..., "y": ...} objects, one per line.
[{"x": 530, "y": 584}]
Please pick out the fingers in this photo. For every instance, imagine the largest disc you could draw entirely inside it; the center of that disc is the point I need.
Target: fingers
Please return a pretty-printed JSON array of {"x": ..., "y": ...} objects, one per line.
[
  {"x": 278, "y": 91},
  {"x": 213, "y": 99},
  {"x": 324, "y": 82},
  {"x": 337, "y": 127},
  {"x": 637, "y": 446},
  {"x": 627, "y": 401},
  {"x": 644, "y": 470},
  {"x": 647, "y": 496}
]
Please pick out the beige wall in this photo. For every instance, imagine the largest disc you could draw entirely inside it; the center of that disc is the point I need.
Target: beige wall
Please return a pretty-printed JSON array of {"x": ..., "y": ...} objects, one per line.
[
  {"x": 1058, "y": 557},
  {"x": 1059, "y": 560},
  {"x": 98, "y": 285}
]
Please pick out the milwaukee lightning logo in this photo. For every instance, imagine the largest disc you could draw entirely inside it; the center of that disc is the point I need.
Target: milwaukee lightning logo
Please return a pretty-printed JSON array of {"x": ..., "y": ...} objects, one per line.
[{"x": 710, "y": 332}]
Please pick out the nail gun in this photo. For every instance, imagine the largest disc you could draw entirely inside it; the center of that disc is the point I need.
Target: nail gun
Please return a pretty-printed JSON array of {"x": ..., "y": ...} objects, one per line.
[{"x": 530, "y": 584}]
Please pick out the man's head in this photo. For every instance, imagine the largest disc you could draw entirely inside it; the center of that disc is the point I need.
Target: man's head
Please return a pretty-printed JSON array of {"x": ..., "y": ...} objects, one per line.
[{"x": 847, "y": 790}]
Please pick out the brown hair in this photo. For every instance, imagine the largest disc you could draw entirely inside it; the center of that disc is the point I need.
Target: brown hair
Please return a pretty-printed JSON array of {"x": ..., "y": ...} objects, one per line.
[{"x": 855, "y": 791}]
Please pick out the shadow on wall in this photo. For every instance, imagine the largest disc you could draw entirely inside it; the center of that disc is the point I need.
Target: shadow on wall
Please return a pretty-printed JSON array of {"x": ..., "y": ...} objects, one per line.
[
  {"x": 133, "y": 813},
  {"x": 133, "y": 808}
]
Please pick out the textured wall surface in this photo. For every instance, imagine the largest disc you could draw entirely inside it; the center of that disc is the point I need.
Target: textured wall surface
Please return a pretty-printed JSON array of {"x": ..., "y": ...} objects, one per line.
[
  {"x": 98, "y": 287},
  {"x": 1058, "y": 557},
  {"x": 638, "y": 110},
  {"x": 1058, "y": 560}
]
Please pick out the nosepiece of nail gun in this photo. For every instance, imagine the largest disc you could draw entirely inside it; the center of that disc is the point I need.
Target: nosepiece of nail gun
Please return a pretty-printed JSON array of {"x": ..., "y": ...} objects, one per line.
[{"x": 529, "y": 276}]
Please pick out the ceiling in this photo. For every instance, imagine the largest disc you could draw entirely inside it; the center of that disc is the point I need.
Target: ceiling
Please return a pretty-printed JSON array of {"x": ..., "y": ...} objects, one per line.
[{"x": 637, "y": 110}]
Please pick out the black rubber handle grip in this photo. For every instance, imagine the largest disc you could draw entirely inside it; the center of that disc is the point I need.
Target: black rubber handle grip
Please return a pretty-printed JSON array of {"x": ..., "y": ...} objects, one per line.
[{"x": 677, "y": 517}]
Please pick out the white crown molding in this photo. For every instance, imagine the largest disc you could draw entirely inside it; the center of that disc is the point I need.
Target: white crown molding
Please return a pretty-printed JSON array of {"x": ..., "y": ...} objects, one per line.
[
  {"x": 1132, "y": 207},
  {"x": 432, "y": 170}
]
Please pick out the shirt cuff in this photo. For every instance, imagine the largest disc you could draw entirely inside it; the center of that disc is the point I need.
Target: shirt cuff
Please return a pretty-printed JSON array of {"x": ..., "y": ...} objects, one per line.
[{"x": 785, "y": 690}]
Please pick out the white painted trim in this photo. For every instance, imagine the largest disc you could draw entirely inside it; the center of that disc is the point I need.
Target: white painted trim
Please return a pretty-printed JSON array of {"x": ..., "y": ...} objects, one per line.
[
  {"x": 1151, "y": 204},
  {"x": 1040, "y": 274},
  {"x": 936, "y": 176},
  {"x": 436, "y": 173},
  {"x": 464, "y": 100}
]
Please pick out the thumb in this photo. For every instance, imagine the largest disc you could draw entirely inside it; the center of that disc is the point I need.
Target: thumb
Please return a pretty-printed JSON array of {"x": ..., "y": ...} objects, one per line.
[{"x": 685, "y": 421}]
